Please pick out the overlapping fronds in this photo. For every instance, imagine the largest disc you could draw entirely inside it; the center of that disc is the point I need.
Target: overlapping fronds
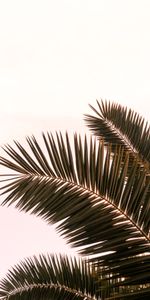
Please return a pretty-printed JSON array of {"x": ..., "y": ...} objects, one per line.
[
  {"x": 116, "y": 124},
  {"x": 50, "y": 277},
  {"x": 103, "y": 202}
]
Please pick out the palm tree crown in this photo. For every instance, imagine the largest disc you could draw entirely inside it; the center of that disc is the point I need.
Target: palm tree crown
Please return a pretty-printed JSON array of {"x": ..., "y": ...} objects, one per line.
[{"x": 99, "y": 188}]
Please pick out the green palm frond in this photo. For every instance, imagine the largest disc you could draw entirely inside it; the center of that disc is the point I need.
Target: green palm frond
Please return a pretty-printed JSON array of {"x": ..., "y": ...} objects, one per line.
[
  {"x": 101, "y": 201},
  {"x": 116, "y": 124},
  {"x": 50, "y": 277}
]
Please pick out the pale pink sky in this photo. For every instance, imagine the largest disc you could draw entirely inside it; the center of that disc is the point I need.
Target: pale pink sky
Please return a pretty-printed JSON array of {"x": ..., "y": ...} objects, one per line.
[{"x": 55, "y": 58}]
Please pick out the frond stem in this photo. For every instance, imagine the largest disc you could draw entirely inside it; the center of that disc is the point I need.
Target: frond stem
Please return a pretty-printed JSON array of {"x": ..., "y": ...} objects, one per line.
[
  {"x": 101, "y": 198},
  {"x": 48, "y": 285}
]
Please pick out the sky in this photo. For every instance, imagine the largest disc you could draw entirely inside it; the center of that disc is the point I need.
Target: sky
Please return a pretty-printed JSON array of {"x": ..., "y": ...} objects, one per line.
[{"x": 56, "y": 57}]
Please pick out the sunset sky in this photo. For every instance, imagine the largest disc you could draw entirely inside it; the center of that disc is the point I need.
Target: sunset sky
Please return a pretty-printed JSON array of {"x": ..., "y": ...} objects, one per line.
[{"x": 55, "y": 58}]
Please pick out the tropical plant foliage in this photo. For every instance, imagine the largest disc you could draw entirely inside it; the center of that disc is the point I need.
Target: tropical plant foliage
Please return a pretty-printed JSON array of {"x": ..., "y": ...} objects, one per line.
[
  {"x": 119, "y": 125},
  {"x": 51, "y": 277},
  {"x": 100, "y": 191}
]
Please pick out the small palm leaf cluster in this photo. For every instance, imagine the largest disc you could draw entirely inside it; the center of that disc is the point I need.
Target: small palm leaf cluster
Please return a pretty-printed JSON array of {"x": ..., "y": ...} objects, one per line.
[
  {"x": 50, "y": 277},
  {"x": 99, "y": 188}
]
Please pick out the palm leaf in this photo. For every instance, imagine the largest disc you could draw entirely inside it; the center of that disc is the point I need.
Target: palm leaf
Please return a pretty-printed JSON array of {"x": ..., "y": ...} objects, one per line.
[
  {"x": 116, "y": 124},
  {"x": 101, "y": 201},
  {"x": 50, "y": 277}
]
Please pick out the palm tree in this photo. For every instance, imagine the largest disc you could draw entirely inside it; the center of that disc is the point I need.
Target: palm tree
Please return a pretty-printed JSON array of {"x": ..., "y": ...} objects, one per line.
[{"x": 97, "y": 191}]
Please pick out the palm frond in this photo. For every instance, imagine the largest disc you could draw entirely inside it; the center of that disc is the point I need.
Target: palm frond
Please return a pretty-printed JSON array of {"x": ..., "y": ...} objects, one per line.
[
  {"x": 116, "y": 124},
  {"x": 101, "y": 201},
  {"x": 50, "y": 277}
]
